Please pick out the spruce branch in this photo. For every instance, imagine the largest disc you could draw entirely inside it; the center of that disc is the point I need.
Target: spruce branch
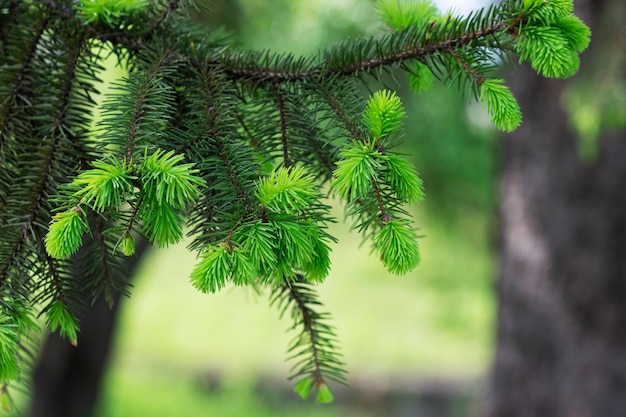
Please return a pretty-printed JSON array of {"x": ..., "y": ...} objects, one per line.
[
  {"x": 314, "y": 349},
  {"x": 234, "y": 178},
  {"x": 20, "y": 78},
  {"x": 284, "y": 138},
  {"x": 45, "y": 181}
]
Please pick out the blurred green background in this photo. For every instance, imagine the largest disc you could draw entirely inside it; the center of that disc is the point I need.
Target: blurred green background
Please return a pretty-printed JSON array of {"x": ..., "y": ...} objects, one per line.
[{"x": 182, "y": 353}]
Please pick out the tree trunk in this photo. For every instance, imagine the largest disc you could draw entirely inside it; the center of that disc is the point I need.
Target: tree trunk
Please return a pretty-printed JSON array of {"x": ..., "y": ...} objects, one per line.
[
  {"x": 561, "y": 335},
  {"x": 68, "y": 379}
]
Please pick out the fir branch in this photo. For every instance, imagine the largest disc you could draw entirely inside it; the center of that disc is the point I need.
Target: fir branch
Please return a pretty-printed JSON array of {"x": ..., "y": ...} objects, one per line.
[
  {"x": 169, "y": 9},
  {"x": 283, "y": 114},
  {"x": 396, "y": 57},
  {"x": 234, "y": 178},
  {"x": 314, "y": 347},
  {"x": 478, "y": 79},
  {"x": 253, "y": 141},
  {"x": 383, "y": 213},
  {"x": 46, "y": 173},
  {"x": 356, "y": 131},
  {"x": 9, "y": 101},
  {"x": 393, "y": 55}
]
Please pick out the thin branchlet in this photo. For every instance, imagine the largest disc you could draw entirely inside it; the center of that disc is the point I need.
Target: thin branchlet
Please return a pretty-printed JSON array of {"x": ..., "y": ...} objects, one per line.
[
  {"x": 478, "y": 79},
  {"x": 234, "y": 178},
  {"x": 284, "y": 138},
  {"x": 320, "y": 71},
  {"x": 45, "y": 176},
  {"x": 253, "y": 141},
  {"x": 7, "y": 106}
]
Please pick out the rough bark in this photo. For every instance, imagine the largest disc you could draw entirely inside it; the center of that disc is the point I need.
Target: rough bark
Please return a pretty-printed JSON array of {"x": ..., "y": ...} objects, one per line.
[{"x": 561, "y": 334}]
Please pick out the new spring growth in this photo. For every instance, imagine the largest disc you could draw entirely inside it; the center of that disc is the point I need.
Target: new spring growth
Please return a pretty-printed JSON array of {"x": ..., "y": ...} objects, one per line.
[
  {"x": 127, "y": 245},
  {"x": 58, "y": 316},
  {"x": 66, "y": 233},
  {"x": 324, "y": 393},
  {"x": 287, "y": 241},
  {"x": 158, "y": 191},
  {"x": 552, "y": 37},
  {"x": 109, "y": 12},
  {"x": 374, "y": 179}
]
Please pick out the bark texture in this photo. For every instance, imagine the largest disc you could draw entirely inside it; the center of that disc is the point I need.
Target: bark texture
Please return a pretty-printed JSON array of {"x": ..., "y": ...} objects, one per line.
[{"x": 562, "y": 273}]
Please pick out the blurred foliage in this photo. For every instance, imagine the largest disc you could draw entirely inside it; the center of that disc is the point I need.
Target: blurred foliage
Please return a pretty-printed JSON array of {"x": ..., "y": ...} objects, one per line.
[{"x": 596, "y": 101}]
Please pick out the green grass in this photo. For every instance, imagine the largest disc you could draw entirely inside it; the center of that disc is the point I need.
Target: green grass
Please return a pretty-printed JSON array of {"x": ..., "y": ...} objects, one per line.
[
  {"x": 434, "y": 321},
  {"x": 159, "y": 394}
]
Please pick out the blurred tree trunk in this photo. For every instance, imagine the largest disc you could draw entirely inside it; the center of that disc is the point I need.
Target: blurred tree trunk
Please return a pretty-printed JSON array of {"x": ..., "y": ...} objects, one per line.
[
  {"x": 561, "y": 337},
  {"x": 67, "y": 379}
]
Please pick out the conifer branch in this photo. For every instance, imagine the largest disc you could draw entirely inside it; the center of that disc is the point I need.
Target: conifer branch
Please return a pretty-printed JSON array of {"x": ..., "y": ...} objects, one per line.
[
  {"x": 9, "y": 101},
  {"x": 356, "y": 131},
  {"x": 397, "y": 54},
  {"x": 253, "y": 141},
  {"x": 283, "y": 113},
  {"x": 235, "y": 116},
  {"x": 234, "y": 178},
  {"x": 478, "y": 79},
  {"x": 381, "y": 207},
  {"x": 107, "y": 280},
  {"x": 47, "y": 172},
  {"x": 314, "y": 348},
  {"x": 169, "y": 9}
]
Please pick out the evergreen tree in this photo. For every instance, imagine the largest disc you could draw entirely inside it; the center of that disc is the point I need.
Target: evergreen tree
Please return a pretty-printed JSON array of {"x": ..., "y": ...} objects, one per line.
[{"x": 241, "y": 146}]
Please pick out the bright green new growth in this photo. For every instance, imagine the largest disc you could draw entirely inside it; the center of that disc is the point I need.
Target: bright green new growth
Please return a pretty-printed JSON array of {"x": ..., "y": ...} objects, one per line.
[
  {"x": 58, "y": 316},
  {"x": 160, "y": 188},
  {"x": 166, "y": 181},
  {"x": 403, "y": 179},
  {"x": 66, "y": 233},
  {"x": 400, "y": 14},
  {"x": 358, "y": 165},
  {"x": 108, "y": 184},
  {"x": 162, "y": 224},
  {"x": 9, "y": 341},
  {"x": 552, "y": 38},
  {"x": 286, "y": 242},
  {"x": 127, "y": 245},
  {"x": 288, "y": 190},
  {"x": 501, "y": 105},
  {"x": 219, "y": 264},
  {"x": 548, "y": 11},
  {"x": 397, "y": 244},
  {"x": 259, "y": 241},
  {"x": 107, "y": 11},
  {"x": 324, "y": 393},
  {"x": 376, "y": 182},
  {"x": 383, "y": 114}
]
